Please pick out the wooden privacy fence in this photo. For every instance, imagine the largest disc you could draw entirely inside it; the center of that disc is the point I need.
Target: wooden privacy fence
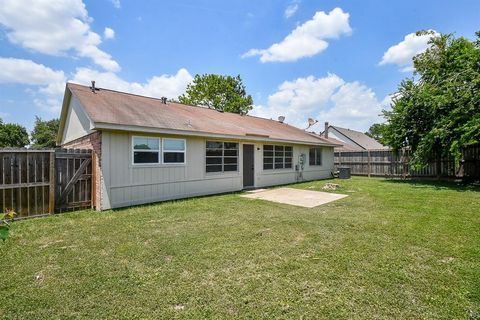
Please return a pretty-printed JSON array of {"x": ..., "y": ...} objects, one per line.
[
  {"x": 387, "y": 163},
  {"x": 40, "y": 182}
]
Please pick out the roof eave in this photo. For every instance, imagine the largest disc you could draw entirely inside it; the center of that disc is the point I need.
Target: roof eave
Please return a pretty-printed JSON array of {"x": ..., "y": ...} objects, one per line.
[
  {"x": 63, "y": 114},
  {"x": 134, "y": 128}
]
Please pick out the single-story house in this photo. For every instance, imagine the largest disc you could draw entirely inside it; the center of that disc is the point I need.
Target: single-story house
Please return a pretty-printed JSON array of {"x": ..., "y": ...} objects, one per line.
[
  {"x": 350, "y": 140},
  {"x": 150, "y": 149}
]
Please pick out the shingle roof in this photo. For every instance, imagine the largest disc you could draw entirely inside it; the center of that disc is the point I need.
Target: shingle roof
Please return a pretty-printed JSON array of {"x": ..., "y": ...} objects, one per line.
[
  {"x": 359, "y": 138},
  {"x": 124, "y": 109}
]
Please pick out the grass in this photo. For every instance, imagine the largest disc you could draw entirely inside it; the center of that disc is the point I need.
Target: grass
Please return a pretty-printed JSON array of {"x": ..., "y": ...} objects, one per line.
[{"x": 399, "y": 250}]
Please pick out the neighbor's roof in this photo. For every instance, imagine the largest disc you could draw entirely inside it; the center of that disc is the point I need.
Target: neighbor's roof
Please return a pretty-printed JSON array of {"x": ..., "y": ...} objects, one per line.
[
  {"x": 108, "y": 109},
  {"x": 359, "y": 138}
]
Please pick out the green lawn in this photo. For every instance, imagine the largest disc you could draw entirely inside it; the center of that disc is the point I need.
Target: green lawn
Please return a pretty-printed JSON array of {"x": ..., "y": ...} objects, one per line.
[{"x": 399, "y": 250}]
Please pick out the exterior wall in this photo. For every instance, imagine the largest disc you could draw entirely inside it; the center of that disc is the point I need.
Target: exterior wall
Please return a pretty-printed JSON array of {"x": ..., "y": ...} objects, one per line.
[
  {"x": 264, "y": 178},
  {"x": 93, "y": 141},
  {"x": 77, "y": 124},
  {"x": 126, "y": 184}
]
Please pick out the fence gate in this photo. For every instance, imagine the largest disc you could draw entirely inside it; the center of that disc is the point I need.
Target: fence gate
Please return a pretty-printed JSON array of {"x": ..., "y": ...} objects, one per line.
[{"x": 73, "y": 179}]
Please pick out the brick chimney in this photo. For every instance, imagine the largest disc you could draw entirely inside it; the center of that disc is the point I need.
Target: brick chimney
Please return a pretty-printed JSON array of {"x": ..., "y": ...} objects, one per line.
[{"x": 325, "y": 133}]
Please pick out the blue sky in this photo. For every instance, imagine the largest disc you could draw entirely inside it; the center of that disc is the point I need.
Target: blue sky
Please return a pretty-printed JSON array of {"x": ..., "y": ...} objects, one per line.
[{"x": 300, "y": 58}]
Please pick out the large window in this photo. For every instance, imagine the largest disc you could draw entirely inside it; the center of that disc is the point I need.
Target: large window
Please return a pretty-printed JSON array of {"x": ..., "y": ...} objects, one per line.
[
  {"x": 315, "y": 156},
  {"x": 149, "y": 150},
  {"x": 146, "y": 150},
  {"x": 277, "y": 157},
  {"x": 221, "y": 156},
  {"x": 173, "y": 150}
]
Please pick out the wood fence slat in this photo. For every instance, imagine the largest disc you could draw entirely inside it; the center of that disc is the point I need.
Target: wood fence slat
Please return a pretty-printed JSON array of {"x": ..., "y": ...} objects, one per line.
[{"x": 52, "y": 184}]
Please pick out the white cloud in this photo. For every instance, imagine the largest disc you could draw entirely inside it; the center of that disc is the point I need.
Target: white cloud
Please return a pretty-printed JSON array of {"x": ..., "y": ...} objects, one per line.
[
  {"x": 54, "y": 28},
  {"x": 291, "y": 9},
  {"x": 4, "y": 115},
  {"x": 50, "y": 84},
  {"x": 349, "y": 104},
  {"x": 307, "y": 39},
  {"x": 170, "y": 86},
  {"x": 28, "y": 72},
  {"x": 402, "y": 53},
  {"x": 108, "y": 33},
  {"x": 116, "y": 3}
]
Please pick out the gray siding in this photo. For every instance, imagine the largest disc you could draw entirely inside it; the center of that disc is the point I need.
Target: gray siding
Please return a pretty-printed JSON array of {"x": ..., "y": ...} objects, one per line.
[
  {"x": 77, "y": 124},
  {"x": 126, "y": 184},
  {"x": 265, "y": 178}
]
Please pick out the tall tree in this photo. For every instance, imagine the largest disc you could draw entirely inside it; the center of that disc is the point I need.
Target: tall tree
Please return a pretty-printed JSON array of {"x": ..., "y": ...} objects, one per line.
[
  {"x": 376, "y": 132},
  {"x": 44, "y": 134},
  {"x": 224, "y": 93},
  {"x": 13, "y": 135},
  {"x": 438, "y": 113}
]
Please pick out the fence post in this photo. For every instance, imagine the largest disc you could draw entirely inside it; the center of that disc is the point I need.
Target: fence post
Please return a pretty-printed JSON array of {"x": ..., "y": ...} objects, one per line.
[
  {"x": 93, "y": 180},
  {"x": 51, "y": 191},
  {"x": 369, "y": 164}
]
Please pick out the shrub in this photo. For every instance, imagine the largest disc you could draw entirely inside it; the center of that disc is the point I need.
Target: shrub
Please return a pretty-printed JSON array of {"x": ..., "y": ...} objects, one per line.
[{"x": 5, "y": 223}]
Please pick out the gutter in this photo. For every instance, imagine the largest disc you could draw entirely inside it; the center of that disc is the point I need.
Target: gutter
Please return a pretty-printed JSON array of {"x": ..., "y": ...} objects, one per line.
[{"x": 249, "y": 137}]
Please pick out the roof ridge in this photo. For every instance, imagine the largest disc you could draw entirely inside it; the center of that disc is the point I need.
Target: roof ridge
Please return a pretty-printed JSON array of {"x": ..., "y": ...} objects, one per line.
[{"x": 337, "y": 127}]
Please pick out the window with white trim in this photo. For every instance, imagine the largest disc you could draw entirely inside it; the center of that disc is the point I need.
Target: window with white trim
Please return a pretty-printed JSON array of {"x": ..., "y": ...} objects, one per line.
[
  {"x": 146, "y": 150},
  {"x": 173, "y": 150},
  {"x": 315, "y": 156},
  {"x": 221, "y": 156},
  {"x": 277, "y": 157}
]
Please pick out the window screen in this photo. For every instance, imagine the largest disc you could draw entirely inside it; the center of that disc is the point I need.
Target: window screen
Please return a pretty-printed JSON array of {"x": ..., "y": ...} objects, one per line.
[
  {"x": 221, "y": 156},
  {"x": 315, "y": 156},
  {"x": 277, "y": 157}
]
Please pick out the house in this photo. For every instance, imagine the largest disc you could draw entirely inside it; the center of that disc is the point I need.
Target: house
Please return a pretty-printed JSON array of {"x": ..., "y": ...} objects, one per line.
[
  {"x": 149, "y": 150},
  {"x": 350, "y": 139}
]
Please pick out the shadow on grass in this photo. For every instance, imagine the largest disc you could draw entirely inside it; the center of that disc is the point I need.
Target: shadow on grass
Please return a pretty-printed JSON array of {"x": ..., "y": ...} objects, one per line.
[
  {"x": 435, "y": 184},
  {"x": 170, "y": 201}
]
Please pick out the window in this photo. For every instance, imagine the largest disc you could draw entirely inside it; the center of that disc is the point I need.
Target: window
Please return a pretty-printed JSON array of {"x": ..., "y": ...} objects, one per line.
[
  {"x": 173, "y": 150},
  {"x": 315, "y": 156},
  {"x": 221, "y": 156},
  {"x": 149, "y": 150},
  {"x": 277, "y": 157},
  {"x": 146, "y": 150}
]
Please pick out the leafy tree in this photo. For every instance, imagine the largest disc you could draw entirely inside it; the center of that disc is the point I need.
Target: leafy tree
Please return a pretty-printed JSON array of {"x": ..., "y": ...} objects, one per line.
[
  {"x": 376, "y": 132},
  {"x": 224, "y": 93},
  {"x": 44, "y": 134},
  {"x": 438, "y": 113},
  {"x": 13, "y": 135}
]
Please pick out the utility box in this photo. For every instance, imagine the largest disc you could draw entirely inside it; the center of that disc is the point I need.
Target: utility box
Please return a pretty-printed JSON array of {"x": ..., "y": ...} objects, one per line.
[{"x": 344, "y": 172}]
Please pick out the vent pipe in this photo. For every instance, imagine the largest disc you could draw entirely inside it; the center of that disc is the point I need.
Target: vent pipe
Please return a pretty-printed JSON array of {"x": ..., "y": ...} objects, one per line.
[
  {"x": 164, "y": 100},
  {"x": 93, "y": 86},
  {"x": 325, "y": 133}
]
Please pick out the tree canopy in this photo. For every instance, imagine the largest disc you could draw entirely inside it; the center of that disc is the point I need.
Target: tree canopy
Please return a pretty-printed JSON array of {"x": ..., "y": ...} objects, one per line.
[
  {"x": 376, "y": 132},
  {"x": 439, "y": 112},
  {"x": 44, "y": 134},
  {"x": 223, "y": 93},
  {"x": 13, "y": 135}
]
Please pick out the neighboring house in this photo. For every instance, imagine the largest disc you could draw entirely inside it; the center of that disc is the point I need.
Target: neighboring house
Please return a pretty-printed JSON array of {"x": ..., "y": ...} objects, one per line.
[
  {"x": 150, "y": 150},
  {"x": 352, "y": 140}
]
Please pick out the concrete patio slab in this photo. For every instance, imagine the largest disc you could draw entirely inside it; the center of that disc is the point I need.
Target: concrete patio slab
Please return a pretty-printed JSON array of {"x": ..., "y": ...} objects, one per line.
[{"x": 296, "y": 197}]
